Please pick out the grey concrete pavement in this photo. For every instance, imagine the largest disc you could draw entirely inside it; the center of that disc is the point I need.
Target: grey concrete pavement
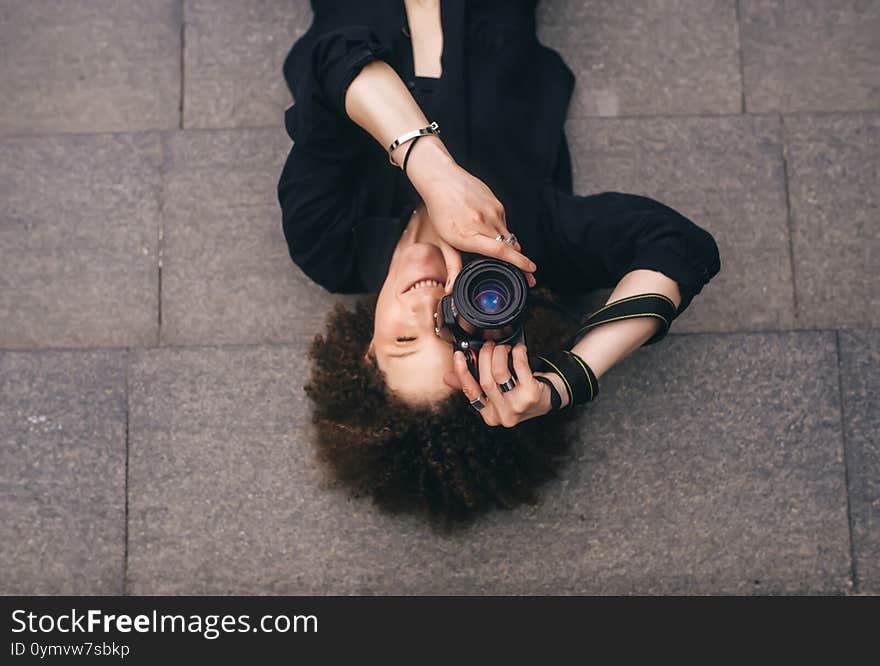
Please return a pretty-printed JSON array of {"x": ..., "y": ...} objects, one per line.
[
  {"x": 860, "y": 369},
  {"x": 810, "y": 55},
  {"x": 636, "y": 58},
  {"x": 741, "y": 491},
  {"x": 62, "y": 471},
  {"x": 835, "y": 198},
  {"x": 226, "y": 273},
  {"x": 89, "y": 65},
  {"x": 80, "y": 240},
  {"x": 154, "y": 436},
  {"x": 724, "y": 173}
]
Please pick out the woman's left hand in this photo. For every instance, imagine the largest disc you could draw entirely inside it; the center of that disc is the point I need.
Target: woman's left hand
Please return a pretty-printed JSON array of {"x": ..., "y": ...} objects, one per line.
[{"x": 530, "y": 398}]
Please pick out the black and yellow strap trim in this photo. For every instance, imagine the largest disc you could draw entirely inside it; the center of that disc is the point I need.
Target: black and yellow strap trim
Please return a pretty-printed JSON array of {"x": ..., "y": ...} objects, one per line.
[
  {"x": 553, "y": 367},
  {"x": 555, "y": 398},
  {"x": 579, "y": 380},
  {"x": 588, "y": 371},
  {"x": 642, "y": 305}
]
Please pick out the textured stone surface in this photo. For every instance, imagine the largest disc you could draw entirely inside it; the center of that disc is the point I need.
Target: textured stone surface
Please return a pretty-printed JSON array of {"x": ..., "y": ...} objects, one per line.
[
  {"x": 834, "y": 184},
  {"x": 89, "y": 65},
  {"x": 811, "y": 55},
  {"x": 226, "y": 273},
  {"x": 78, "y": 240},
  {"x": 62, "y": 472},
  {"x": 710, "y": 463},
  {"x": 234, "y": 55},
  {"x": 742, "y": 491},
  {"x": 727, "y": 176},
  {"x": 860, "y": 382},
  {"x": 634, "y": 57}
]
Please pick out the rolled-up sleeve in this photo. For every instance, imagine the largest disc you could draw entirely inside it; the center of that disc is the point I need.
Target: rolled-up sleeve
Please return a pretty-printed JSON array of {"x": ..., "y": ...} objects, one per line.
[
  {"x": 666, "y": 241},
  {"x": 319, "y": 69},
  {"x": 338, "y": 57},
  {"x": 324, "y": 226},
  {"x": 602, "y": 237}
]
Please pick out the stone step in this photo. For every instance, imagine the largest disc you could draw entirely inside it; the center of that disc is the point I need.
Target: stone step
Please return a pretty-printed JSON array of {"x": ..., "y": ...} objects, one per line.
[
  {"x": 85, "y": 66},
  {"x": 87, "y": 213},
  {"x": 218, "y": 64},
  {"x": 711, "y": 463},
  {"x": 63, "y": 457}
]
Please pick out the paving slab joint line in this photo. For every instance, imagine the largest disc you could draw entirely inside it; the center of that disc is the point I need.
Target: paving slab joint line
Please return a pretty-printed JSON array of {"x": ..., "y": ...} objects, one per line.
[
  {"x": 308, "y": 337},
  {"x": 182, "y": 9},
  {"x": 788, "y": 214},
  {"x": 853, "y": 565},
  {"x": 573, "y": 117},
  {"x": 160, "y": 231},
  {"x": 739, "y": 55},
  {"x": 125, "y": 590}
]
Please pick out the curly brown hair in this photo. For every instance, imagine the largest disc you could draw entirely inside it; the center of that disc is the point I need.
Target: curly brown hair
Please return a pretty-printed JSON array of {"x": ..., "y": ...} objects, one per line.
[{"x": 440, "y": 460}]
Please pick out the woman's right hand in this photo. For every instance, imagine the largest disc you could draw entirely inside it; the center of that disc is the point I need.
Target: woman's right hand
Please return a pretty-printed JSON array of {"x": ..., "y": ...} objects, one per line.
[
  {"x": 464, "y": 211},
  {"x": 527, "y": 400}
]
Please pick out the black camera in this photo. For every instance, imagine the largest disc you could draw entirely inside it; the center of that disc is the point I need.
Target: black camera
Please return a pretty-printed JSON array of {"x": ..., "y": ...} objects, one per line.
[{"x": 489, "y": 301}]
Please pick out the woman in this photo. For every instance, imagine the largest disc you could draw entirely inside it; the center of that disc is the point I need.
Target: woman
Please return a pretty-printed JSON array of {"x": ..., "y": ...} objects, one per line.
[{"x": 398, "y": 415}]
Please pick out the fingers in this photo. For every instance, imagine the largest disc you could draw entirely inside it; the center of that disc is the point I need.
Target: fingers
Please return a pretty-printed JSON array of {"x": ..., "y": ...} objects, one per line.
[
  {"x": 500, "y": 409},
  {"x": 465, "y": 379},
  {"x": 452, "y": 258},
  {"x": 501, "y": 225},
  {"x": 499, "y": 363},
  {"x": 493, "y": 358},
  {"x": 524, "y": 375},
  {"x": 527, "y": 387},
  {"x": 452, "y": 381},
  {"x": 454, "y": 264},
  {"x": 530, "y": 277},
  {"x": 494, "y": 216},
  {"x": 489, "y": 379},
  {"x": 492, "y": 248},
  {"x": 472, "y": 389}
]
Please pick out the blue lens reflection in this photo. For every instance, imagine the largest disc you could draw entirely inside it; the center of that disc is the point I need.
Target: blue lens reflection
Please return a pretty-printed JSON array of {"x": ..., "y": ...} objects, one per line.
[{"x": 491, "y": 297}]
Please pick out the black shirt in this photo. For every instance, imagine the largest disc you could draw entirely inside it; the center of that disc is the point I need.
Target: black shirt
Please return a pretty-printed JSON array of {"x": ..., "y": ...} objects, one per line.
[{"x": 501, "y": 104}]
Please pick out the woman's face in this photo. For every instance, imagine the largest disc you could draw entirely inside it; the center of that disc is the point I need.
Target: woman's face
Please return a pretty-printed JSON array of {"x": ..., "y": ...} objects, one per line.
[{"x": 409, "y": 353}]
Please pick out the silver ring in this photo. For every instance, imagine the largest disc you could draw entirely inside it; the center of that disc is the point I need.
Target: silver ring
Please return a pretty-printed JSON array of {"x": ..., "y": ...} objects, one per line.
[
  {"x": 510, "y": 240},
  {"x": 509, "y": 385},
  {"x": 478, "y": 404}
]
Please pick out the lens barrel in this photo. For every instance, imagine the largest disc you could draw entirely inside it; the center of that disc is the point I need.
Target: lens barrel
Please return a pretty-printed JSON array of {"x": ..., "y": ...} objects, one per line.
[{"x": 488, "y": 302}]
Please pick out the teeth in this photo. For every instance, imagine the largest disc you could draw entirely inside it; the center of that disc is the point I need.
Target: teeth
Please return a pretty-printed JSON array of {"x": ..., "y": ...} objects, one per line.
[{"x": 426, "y": 283}]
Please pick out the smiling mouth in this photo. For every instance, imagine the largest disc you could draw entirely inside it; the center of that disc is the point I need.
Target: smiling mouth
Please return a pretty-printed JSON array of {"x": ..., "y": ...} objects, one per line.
[{"x": 423, "y": 283}]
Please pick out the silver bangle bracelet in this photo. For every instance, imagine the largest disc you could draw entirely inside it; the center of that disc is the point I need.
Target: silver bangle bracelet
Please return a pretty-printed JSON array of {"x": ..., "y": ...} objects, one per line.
[{"x": 433, "y": 128}]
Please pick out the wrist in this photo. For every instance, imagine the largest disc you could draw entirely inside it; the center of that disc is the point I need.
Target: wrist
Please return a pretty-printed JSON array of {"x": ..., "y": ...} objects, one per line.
[
  {"x": 559, "y": 385},
  {"x": 429, "y": 157}
]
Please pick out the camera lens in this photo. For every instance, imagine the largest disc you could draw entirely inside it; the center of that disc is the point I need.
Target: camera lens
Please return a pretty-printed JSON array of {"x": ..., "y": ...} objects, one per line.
[
  {"x": 490, "y": 296},
  {"x": 487, "y": 302}
]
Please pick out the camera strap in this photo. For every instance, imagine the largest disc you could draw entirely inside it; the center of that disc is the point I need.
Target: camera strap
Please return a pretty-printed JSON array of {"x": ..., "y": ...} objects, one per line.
[
  {"x": 643, "y": 305},
  {"x": 579, "y": 380}
]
